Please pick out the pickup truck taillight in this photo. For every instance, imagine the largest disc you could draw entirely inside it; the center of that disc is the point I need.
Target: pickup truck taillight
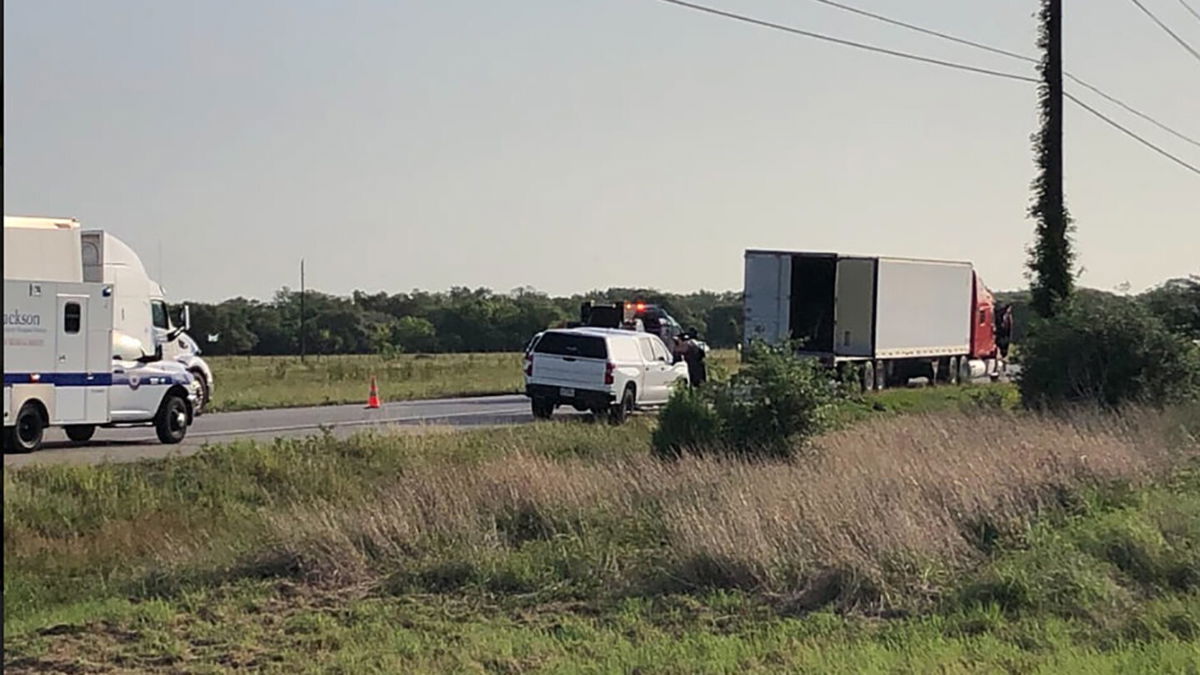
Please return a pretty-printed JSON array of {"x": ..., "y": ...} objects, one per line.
[
  {"x": 608, "y": 372},
  {"x": 529, "y": 365}
]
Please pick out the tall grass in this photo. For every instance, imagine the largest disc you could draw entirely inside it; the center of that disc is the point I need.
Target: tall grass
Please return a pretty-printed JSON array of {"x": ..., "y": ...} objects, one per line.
[{"x": 879, "y": 517}]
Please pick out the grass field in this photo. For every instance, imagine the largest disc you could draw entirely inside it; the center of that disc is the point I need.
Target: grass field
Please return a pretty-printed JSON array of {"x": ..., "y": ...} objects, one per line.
[
  {"x": 970, "y": 539},
  {"x": 252, "y": 383}
]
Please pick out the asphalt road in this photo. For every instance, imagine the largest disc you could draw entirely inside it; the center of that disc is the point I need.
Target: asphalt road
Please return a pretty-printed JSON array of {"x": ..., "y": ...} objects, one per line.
[
  {"x": 129, "y": 445},
  {"x": 133, "y": 444}
]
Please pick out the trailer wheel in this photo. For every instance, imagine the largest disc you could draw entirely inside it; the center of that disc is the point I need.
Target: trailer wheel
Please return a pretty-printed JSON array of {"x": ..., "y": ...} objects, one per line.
[
  {"x": 81, "y": 433},
  {"x": 171, "y": 422},
  {"x": 26, "y": 434},
  {"x": 868, "y": 377}
]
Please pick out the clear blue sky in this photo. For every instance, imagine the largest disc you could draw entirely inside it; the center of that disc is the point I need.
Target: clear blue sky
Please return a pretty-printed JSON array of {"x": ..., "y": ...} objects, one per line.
[{"x": 572, "y": 145}]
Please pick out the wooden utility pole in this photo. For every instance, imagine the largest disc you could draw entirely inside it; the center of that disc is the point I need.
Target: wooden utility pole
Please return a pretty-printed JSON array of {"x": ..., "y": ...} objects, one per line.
[
  {"x": 1051, "y": 259},
  {"x": 302, "y": 310}
]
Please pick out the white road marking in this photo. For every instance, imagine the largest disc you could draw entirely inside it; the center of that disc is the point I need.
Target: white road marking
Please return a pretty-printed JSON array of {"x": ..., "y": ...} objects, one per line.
[{"x": 355, "y": 423}]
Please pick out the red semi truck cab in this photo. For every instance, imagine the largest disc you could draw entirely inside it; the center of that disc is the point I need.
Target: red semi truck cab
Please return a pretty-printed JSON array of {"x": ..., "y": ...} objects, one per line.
[{"x": 983, "y": 321}]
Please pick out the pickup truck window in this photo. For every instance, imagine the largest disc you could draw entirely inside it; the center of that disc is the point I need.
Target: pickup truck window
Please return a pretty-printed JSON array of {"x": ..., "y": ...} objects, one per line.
[
  {"x": 660, "y": 351},
  {"x": 623, "y": 350},
  {"x": 570, "y": 344},
  {"x": 647, "y": 349}
]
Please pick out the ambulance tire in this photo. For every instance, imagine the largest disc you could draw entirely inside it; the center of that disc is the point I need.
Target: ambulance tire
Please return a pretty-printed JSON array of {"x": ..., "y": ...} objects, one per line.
[
  {"x": 26, "y": 435},
  {"x": 171, "y": 422},
  {"x": 81, "y": 433}
]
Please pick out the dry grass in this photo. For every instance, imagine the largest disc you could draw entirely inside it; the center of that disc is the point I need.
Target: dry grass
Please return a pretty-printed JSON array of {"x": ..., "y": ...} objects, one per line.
[
  {"x": 614, "y": 555},
  {"x": 876, "y": 503}
]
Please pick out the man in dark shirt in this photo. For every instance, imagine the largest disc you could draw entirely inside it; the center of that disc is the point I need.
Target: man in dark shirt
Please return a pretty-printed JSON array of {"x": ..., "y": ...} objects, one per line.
[{"x": 1004, "y": 326}]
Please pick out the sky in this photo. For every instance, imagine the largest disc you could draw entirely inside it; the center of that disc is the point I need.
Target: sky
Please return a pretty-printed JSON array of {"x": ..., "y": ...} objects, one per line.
[{"x": 575, "y": 145}]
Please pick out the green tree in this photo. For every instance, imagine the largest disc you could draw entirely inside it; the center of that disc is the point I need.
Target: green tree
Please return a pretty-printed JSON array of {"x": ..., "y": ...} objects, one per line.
[
  {"x": 1051, "y": 260},
  {"x": 414, "y": 334},
  {"x": 1177, "y": 303}
]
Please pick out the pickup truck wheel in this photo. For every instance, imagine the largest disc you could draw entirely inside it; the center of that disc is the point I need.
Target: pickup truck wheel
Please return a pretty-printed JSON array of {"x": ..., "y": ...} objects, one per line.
[
  {"x": 171, "y": 422},
  {"x": 543, "y": 408},
  {"x": 622, "y": 410},
  {"x": 26, "y": 435},
  {"x": 81, "y": 433}
]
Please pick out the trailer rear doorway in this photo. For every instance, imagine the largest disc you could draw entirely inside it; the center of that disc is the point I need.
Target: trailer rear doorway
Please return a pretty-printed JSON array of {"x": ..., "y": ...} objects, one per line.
[{"x": 814, "y": 279}]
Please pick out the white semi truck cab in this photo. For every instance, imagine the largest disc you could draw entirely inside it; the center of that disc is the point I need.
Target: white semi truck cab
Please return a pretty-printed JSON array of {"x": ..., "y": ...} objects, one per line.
[{"x": 140, "y": 305}]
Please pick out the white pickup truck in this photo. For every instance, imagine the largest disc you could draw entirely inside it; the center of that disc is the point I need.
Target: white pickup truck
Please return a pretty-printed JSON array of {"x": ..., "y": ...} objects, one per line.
[{"x": 605, "y": 370}]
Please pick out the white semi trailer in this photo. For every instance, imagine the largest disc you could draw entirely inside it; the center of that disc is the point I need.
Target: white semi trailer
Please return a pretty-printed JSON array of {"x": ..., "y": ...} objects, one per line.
[{"x": 896, "y": 318}]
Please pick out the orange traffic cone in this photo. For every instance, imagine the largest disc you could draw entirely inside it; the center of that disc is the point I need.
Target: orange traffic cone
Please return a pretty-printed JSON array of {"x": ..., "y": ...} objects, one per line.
[{"x": 373, "y": 397}]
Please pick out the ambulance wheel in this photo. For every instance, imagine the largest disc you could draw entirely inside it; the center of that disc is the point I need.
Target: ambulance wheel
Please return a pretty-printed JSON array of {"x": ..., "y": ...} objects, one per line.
[
  {"x": 171, "y": 423},
  {"x": 81, "y": 433},
  {"x": 26, "y": 434}
]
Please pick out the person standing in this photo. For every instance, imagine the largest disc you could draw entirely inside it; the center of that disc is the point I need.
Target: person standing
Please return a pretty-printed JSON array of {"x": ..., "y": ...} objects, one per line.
[
  {"x": 1004, "y": 327},
  {"x": 694, "y": 354}
]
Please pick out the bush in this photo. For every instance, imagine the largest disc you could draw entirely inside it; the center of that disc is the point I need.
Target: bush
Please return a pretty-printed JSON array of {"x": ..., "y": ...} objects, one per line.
[
  {"x": 688, "y": 421},
  {"x": 1107, "y": 351},
  {"x": 770, "y": 408}
]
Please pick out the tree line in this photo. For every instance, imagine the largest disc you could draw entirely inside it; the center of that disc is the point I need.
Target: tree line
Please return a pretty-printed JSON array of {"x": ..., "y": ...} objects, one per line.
[
  {"x": 458, "y": 320},
  {"x": 481, "y": 320}
]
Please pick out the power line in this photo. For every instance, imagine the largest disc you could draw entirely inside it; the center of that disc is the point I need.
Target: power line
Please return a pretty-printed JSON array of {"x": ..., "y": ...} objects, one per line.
[
  {"x": 914, "y": 57},
  {"x": 1191, "y": 10},
  {"x": 1139, "y": 139},
  {"x": 1131, "y": 109},
  {"x": 927, "y": 31},
  {"x": 849, "y": 43},
  {"x": 1013, "y": 55},
  {"x": 1167, "y": 28}
]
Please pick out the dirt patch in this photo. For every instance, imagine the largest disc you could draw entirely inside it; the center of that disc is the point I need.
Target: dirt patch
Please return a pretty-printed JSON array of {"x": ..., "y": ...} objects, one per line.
[{"x": 231, "y": 633}]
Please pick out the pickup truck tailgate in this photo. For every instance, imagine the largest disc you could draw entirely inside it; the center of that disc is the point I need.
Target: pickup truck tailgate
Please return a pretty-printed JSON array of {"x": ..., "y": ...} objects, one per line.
[{"x": 570, "y": 360}]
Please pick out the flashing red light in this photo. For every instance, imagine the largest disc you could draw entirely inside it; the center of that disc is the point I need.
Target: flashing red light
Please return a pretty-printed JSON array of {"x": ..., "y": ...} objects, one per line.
[
  {"x": 641, "y": 307},
  {"x": 608, "y": 372}
]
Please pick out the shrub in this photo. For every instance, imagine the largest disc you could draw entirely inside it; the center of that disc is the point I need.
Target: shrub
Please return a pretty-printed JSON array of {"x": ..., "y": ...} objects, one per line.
[
  {"x": 687, "y": 422},
  {"x": 769, "y": 408},
  {"x": 1107, "y": 351}
]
